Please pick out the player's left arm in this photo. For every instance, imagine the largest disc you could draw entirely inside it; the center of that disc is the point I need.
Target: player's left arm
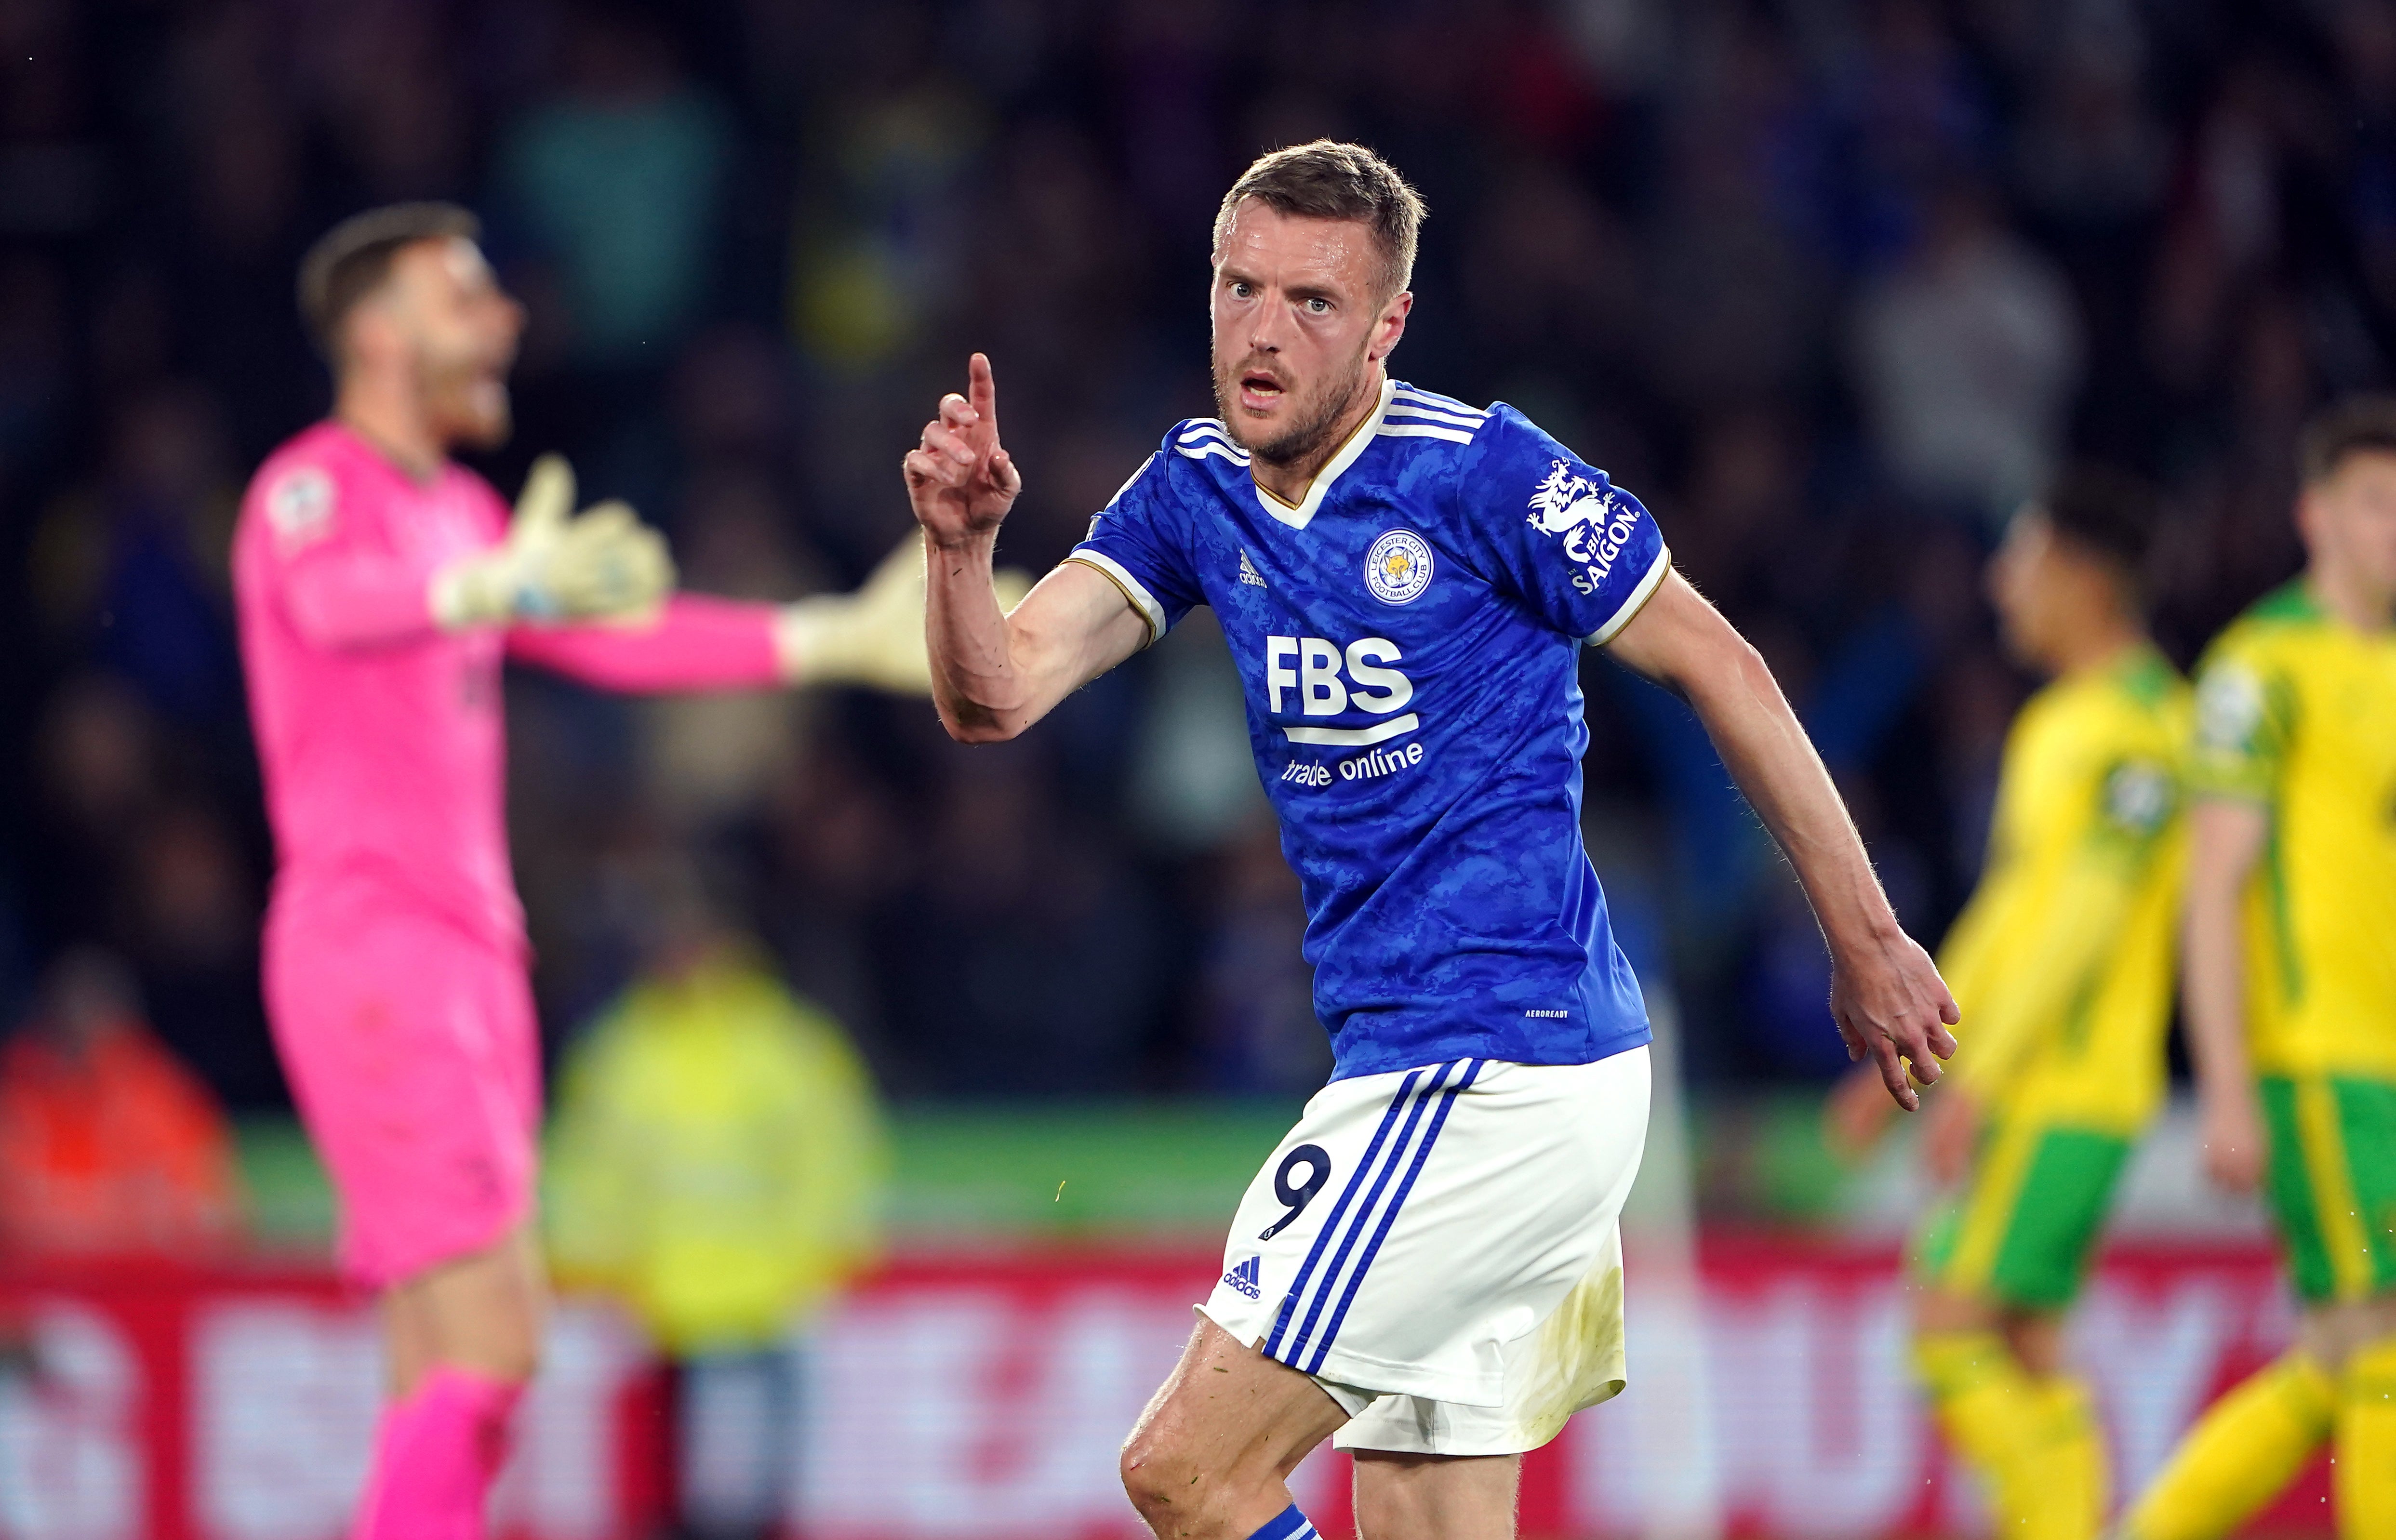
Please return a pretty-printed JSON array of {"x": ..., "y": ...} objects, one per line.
[{"x": 1885, "y": 995}]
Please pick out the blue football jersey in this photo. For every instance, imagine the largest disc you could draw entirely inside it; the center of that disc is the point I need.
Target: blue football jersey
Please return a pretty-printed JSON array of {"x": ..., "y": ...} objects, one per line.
[{"x": 1408, "y": 640}]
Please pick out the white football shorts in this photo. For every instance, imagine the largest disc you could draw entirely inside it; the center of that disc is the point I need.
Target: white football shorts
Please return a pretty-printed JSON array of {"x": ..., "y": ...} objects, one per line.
[{"x": 1439, "y": 1248}]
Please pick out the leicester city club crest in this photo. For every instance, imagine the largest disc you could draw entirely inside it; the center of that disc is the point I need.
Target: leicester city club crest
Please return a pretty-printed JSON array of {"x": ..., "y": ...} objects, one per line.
[{"x": 1398, "y": 568}]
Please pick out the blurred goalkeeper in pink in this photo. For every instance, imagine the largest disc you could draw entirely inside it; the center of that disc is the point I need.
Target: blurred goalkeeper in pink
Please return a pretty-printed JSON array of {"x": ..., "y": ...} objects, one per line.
[{"x": 380, "y": 586}]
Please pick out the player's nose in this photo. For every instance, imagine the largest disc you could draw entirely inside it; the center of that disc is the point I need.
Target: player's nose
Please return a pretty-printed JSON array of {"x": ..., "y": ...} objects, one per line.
[{"x": 1269, "y": 332}]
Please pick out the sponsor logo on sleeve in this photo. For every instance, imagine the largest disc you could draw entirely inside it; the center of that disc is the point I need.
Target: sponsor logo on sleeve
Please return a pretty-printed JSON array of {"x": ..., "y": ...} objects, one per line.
[
  {"x": 1397, "y": 568},
  {"x": 299, "y": 507},
  {"x": 2139, "y": 796},
  {"x": 2229, "y": 708},
  {"x": 1590, "y": 519}
]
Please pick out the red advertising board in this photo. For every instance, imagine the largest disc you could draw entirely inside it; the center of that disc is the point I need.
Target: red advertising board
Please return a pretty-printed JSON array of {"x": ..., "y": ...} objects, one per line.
[
  {"x": 171, "y": 1404},
  {"x": 985, "y": 1396}
]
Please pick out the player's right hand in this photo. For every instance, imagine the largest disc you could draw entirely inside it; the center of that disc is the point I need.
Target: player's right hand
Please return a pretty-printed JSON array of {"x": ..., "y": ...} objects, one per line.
[
  {"x": 960, "y": 479},
  {"x": 2232, "y": 1127}
]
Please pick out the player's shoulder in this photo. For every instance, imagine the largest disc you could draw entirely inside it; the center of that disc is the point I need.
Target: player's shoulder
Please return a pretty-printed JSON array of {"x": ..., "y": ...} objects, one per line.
[
  {"x": 1199, "y": 440},
  {"x": 2277, "y": 628},
  {"x": 1195, "y": 454},
  {"x": 300, "y": 487},
  {"x": 1426, "y": 421},
  {"x": 326, "y": 447},
  {"x": 1198, "y": 448},
  {"x": 2138, "y": 695},
  {"x": 2095, "y": 709}
]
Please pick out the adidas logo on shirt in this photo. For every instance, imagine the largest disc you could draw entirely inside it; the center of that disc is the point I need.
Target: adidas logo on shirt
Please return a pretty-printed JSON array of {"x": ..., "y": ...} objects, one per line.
[
  {"x": 1247, "y": 569},
  {"x": 1243, "y": 1277}
]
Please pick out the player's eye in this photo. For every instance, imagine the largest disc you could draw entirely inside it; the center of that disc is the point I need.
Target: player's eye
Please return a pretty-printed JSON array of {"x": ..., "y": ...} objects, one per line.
[
  {"x": 1240, "y": 290},
  {"x": 1318, "y": 306}
]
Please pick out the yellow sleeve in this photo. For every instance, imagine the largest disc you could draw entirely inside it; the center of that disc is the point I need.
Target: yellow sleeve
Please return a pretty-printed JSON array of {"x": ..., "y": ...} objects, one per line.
[
  {"x": 2059, "y": 935},
  {"x": 2242, "y": 717}
]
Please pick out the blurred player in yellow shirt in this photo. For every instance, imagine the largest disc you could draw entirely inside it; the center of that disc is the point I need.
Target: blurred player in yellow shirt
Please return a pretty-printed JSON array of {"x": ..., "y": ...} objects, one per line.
[
  {"x": 2290, "y": 989},
  {"x": 2062, "y": 965},
  {"x": 718, "y": 1163}
]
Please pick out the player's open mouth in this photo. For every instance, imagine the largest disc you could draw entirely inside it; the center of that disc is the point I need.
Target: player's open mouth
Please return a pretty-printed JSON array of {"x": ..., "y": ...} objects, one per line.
[{"x": 1258, "y": 392}]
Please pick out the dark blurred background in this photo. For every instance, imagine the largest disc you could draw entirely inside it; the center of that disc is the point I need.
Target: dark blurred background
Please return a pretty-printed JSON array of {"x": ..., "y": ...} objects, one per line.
[{"x": 1831, "y": 285}]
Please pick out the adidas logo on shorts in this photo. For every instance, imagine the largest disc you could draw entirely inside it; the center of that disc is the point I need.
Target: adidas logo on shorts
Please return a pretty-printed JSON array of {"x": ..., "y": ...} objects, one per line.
[{"x": 1243, "y": 1278}]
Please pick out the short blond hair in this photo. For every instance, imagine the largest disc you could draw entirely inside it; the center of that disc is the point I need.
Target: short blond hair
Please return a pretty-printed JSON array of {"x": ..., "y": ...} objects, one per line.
[{"x": 1328, "y": 179}]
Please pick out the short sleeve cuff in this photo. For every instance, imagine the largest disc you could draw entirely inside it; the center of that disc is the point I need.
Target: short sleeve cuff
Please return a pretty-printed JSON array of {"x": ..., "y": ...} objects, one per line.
[
  {"x": 1637, "y": 601},
  {"x": 1133, "y": 591},
  {"x": 2214, "y": 783}
]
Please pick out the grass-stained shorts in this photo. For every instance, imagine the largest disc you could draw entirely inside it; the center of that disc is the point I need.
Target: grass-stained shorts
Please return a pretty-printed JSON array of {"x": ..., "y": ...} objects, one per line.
[
  {"x": 2332, "y": 1181},
  {"x": 1438, "y": 1248},
  {"x": 2021, "y": 1230}
]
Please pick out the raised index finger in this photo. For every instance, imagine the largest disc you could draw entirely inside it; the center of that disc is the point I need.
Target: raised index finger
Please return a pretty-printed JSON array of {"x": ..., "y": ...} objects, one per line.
[{"x": 982, "y": 388}]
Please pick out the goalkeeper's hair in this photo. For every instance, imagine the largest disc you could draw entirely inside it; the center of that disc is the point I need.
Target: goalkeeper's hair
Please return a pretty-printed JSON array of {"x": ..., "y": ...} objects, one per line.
[
  {"x": 1328, "y": 179},
  {"x": 351, "y": 260},
  {"x": 2104, "y": 510},
  {"x": 2354, "y": 425}
]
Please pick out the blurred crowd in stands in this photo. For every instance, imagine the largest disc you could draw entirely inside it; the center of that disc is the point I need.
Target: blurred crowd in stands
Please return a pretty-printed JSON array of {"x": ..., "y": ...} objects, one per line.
[{"x": 1831, "y": 284}]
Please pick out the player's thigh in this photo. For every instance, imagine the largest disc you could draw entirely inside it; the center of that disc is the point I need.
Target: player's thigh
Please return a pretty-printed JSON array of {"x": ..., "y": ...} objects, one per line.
[
  {"x": 2019, "y": 1236},
  {"x": 412, "y": 1051},
  {"x": 1404, "y": 1497},
  {"x": 486, "y": 1311},
  {"x": 1412, "y": 1225},
  {"x": 2331, "y": 1182},
  {"x": 1227, "y": 1421}
]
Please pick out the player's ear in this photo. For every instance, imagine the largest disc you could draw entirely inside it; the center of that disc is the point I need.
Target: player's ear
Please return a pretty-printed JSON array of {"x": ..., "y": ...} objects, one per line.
[
  {"x": 369, "y": 333},
  {"x": 2309, "y": 516},
  {"x": 1391, "y": 327}
]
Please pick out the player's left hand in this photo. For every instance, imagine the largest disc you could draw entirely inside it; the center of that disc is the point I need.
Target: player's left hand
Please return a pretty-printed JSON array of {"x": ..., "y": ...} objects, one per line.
[{"x": 1892, "y": 1007}]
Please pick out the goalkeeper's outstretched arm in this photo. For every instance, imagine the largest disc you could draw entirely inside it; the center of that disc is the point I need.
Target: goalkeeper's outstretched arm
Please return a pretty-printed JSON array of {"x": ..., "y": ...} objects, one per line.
[{"x": 874, "y": 636}]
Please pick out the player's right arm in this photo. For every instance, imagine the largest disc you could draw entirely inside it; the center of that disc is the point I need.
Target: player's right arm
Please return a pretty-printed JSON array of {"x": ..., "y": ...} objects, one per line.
[
  {"x": 994, "y": 672},
  {"x": 2234, "y": 771},
  {"x": 2225, "y": 841}
]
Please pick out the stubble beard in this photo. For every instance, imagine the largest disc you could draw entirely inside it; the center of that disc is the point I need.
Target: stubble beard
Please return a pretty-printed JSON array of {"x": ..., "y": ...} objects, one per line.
[
  {"x": 1307, "y": 438},
  {"x": 467, "y": 407}
]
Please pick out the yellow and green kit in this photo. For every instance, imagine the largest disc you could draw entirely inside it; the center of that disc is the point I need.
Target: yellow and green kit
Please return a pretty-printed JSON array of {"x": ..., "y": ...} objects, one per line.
[
  {"x": 2296, "y": 712},
  {"x": 2062, "y": 964}
]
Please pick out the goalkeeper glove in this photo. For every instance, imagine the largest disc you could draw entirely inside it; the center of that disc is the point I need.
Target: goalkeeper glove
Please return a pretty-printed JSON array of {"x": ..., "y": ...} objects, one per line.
[
  {"x": 874, "y": 636},
  {"x": 602, "y": 563}
]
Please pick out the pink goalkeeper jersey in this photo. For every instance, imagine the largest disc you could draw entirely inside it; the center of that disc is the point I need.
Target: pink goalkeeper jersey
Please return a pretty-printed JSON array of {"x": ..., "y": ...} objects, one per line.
[{"x": 378, "y": 733}]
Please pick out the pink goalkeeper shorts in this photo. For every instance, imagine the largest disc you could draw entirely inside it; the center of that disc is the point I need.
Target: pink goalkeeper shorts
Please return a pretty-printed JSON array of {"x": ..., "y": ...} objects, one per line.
[{"x": 414, "y": 1054}]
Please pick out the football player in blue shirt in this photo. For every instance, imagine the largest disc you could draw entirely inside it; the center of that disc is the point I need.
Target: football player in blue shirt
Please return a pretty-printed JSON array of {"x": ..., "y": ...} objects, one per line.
[{"x": 1428, "y": 1268}]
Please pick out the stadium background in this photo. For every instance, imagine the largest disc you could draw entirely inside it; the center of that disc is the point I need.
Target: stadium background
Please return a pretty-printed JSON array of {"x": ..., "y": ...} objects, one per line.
[{"x": 1830, "y": 284}]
